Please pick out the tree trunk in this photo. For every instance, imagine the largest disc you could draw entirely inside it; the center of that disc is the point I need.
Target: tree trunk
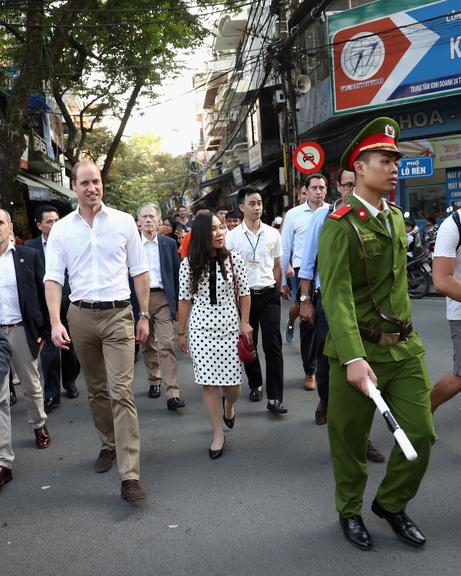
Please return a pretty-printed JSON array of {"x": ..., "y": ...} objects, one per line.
[
  {"x": 13, "y": 122},
  {"x": 118, "y": 136}
]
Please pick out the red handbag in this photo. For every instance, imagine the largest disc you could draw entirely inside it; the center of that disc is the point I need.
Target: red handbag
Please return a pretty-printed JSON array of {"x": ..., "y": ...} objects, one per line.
[{"x": 246, "y": 349}]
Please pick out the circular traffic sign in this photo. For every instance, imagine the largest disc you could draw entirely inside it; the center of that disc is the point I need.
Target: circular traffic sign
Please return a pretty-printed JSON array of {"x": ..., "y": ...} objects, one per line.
[{"x": 308, "y": 157}]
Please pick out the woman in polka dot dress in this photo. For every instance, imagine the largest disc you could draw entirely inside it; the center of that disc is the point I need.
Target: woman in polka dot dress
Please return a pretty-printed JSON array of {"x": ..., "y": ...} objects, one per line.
[{"x": 214, "y": 324}]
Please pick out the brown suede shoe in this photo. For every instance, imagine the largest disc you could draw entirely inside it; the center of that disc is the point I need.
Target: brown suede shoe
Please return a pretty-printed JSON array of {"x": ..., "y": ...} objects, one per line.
[
  {"x": 374, "y": 454},
  {"x": 42, "y": 437},
  {"x": 5, "y": 475},
  {"x": 105, "y": 460},
  {"x": 131, "y": 490},
  {"x": 310, "y": 382}
]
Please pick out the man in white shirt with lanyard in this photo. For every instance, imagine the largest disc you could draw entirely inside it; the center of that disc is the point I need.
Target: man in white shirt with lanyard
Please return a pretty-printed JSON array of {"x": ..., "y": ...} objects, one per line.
[
  {"x": 294, "y": 231},
  {"x": 260, "y": 247},
  {"x": 99, "y": 246}
]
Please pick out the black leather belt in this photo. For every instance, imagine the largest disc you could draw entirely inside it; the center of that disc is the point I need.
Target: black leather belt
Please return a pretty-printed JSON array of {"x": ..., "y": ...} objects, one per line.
[
  {"x": 384, "y": 338},
  {"x": 11, "y": 325},
  {"x": 156, "y": 289},
  {"x": 259, "y": 291},
  {"x": 102, "y": 305}
]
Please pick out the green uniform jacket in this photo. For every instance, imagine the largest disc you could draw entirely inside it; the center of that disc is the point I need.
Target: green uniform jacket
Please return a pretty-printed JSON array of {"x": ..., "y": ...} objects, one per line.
[{"x": 345, "y": 293}]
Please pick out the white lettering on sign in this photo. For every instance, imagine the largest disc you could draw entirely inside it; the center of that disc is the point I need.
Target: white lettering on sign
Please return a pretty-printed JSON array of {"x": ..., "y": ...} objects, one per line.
[
  {"x": 455, "y": 47},
  {"x": 420, "y": 119}
]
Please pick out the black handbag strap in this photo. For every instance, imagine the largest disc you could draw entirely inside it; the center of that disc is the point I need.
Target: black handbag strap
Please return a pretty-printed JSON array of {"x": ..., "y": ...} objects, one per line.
[{"x": 234, "y": 283}]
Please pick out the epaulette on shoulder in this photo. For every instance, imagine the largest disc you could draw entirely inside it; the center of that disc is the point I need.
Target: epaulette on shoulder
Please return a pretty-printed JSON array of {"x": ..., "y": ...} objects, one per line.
[
  {"x": 395, "y": 206},
  {"x": 341, "y": 212}
]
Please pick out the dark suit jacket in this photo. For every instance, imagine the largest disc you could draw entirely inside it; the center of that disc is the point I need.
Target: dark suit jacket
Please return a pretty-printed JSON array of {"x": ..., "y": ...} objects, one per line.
[
  {"x": 31, "y": 292},
  {"x": 37, "y": 244},
  {"x": 5, "y": 357},
  {"x": 169, "y": 269}
]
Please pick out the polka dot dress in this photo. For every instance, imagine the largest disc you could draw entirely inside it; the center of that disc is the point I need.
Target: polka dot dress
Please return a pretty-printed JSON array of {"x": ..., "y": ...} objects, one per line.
[{"x": 214, "y": 328}]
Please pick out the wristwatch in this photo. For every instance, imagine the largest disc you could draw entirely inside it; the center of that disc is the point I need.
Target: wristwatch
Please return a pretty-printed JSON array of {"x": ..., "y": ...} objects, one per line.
[
  {"x": 145, "y": 314},
  {"x": 304, "y": 298}
]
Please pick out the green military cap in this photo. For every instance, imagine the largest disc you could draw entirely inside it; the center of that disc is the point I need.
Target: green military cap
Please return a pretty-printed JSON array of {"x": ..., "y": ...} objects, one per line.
[{"x": 380, "y": 134}]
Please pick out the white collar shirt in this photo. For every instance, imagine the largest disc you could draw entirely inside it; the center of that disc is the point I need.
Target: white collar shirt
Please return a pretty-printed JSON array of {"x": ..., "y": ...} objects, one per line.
[
  {"x": 98, "y": 258},
  {"x": 374, "y": 211},
  {"x": 44, "y": 244},
  {"x": 258, "y": 252},
  {"x": 294, "y": 230},
  {"x": 10, "y": 311},
  {"x": 152, "y": 251}
]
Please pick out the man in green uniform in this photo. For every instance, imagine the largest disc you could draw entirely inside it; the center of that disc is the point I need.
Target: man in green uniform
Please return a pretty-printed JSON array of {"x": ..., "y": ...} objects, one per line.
[{"x": 364, "y": 294}]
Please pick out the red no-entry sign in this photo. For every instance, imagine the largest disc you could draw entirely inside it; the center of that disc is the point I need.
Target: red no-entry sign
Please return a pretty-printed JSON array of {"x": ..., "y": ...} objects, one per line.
[{"x": 308, "y": 157}]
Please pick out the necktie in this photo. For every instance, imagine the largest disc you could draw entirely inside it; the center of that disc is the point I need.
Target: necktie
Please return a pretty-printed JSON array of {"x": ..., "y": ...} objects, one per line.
[{"x": 384, "y": 220}]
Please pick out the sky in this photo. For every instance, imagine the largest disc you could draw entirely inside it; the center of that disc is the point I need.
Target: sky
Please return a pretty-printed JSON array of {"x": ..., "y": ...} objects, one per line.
[{"x": 174, "y": 121}]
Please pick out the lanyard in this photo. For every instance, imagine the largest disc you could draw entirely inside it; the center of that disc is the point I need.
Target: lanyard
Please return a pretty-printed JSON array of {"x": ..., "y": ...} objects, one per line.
[{"x": 254, "y": 248}]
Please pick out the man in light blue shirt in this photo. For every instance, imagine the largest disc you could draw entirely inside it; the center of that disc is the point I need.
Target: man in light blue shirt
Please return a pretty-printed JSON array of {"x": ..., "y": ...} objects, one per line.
[{"x": 295, "y": 226}]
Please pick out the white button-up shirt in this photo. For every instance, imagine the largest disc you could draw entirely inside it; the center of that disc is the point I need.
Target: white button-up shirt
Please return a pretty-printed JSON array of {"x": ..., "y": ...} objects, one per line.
[
  {"x": 294, "y": 230},
  {"x": 10, "y": 311},
  {"x": 258, "y": 252},
  {"x": 152, "y": 251},
  {"x": 97, "y": 257}
]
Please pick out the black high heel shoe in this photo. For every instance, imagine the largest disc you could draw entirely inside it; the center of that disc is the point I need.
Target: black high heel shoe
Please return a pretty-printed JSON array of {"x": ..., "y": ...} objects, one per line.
[
  {"x": 215, "y": 454},
  {"x": 229, "y": 422}
]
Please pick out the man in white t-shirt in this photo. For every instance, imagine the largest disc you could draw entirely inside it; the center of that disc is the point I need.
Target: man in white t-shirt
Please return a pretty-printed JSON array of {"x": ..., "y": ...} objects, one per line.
[{"x": 446, "y": 273}]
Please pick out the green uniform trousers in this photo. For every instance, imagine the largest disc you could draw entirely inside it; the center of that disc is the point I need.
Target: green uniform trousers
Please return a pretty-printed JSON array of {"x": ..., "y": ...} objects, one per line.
[{"x": 405, "y": 387}]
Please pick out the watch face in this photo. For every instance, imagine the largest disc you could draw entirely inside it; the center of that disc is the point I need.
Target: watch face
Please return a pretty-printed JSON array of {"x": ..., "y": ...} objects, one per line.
[{"x": 362, "y": 56}]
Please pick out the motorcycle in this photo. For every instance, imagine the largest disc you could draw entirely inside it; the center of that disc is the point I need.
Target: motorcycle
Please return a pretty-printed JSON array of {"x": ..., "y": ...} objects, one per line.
[{"x": 419, "y": 275}]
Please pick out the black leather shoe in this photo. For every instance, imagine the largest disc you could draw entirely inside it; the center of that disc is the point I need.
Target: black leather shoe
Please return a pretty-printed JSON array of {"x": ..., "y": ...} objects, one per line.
[
  {"x": 5, "y": 475},
  {"x": 175, "y": 403},
  {"x": 50, "y": 403},
  {"x": 154, "y": 391},
  {"x": 277, "y": 407},
  {"x": 256, "y": 394},
  {"x": 72, "y": 391},
  {"x": 373, "y": 454},
  {"x": 13, "y": 398},
  {"x": 215, "y": 454},
  {"x": 402, "y": 525},
  {"x": 355, "y": 531},
  {"x": 229, "y": 422}
]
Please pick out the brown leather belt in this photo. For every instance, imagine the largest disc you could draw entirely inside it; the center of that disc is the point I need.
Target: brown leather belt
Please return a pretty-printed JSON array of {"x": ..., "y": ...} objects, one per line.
[{"x": 385, "y": 338}]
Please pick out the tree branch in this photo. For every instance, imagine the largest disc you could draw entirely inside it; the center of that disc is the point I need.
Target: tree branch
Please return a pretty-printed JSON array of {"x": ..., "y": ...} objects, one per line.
[{"x": 12, "y": 30}]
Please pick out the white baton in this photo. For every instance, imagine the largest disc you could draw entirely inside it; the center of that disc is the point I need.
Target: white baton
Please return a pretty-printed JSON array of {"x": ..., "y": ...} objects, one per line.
[{"x": 399, "y": 434}]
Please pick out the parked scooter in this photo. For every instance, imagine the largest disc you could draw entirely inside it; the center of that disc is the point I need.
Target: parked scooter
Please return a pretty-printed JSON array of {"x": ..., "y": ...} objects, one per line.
[{"x": 419, "y": 275}]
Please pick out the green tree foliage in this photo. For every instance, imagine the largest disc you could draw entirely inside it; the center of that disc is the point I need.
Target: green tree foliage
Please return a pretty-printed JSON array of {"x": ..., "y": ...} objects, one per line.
[{"x": 141, "y": 173}]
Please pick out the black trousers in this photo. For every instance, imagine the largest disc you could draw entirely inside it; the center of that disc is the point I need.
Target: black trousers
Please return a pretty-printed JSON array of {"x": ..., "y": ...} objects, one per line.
[
  {"x": 307, "y": 333},
  {"x": 56, "y": 362},
  {"x": 265, "y": 312},
  {"x": 323, "y": 365}
]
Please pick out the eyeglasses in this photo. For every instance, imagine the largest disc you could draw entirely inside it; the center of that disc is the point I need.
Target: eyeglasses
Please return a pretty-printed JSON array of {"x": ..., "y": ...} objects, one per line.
[{"x": 347, "y": 185}]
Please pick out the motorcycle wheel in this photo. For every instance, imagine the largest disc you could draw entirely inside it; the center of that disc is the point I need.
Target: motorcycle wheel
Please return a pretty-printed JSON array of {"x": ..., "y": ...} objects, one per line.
[{"x": 419, "y": 283}]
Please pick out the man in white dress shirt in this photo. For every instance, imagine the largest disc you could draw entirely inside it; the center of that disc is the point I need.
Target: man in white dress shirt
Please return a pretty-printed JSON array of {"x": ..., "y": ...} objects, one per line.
[
  {"x": 259, "y": 246},
  {"x": 99, "y": 246},
  {"x": 294, "y": 231}
]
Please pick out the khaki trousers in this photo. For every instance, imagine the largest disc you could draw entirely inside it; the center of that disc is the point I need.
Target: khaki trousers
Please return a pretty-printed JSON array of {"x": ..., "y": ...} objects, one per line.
[
  {"x": 159, "y": 351},
  {"x": 104, "y": 343},
  {"x": 27, "y": 370}
]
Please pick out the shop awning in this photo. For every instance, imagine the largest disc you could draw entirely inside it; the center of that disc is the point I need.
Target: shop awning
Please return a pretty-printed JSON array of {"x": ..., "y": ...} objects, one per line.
[
  {"x": 260, "y": 185},
  {"x": 41, "y": 189},
  {"x": 216, "y": 180}
]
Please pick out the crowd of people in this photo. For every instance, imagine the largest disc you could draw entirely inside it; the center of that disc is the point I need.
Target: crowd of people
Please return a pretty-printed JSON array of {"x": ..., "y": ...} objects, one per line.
[{"x": 68, "y": 299}]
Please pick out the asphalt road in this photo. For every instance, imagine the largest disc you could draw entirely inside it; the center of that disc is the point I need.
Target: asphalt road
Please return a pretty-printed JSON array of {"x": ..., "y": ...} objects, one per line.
[{"x": 265, "y": 508}]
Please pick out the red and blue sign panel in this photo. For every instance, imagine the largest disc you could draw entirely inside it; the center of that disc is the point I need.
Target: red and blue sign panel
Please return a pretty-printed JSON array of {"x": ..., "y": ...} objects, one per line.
[{"x": 382, "y": 55}]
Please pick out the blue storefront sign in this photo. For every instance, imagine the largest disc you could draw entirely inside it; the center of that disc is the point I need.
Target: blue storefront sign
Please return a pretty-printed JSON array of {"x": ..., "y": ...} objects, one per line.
[
  {"x": 453, "y": 180},
  {"x": 416, "y": 167}
]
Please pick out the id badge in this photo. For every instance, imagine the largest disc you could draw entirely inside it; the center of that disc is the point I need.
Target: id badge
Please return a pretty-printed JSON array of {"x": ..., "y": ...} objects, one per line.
[{"x": 253, "y": 264}]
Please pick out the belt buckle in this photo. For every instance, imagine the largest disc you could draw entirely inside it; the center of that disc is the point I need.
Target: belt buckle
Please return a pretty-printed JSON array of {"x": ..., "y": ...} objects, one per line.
[{"x": 388, "y": 339}]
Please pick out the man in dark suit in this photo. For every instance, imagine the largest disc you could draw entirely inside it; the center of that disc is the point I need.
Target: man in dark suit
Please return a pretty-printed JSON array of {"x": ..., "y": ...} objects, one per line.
[
  {"x": 55, "y": 362},
  {"x": 24, "y": 322},
  {"x": 159, "y": 349}
]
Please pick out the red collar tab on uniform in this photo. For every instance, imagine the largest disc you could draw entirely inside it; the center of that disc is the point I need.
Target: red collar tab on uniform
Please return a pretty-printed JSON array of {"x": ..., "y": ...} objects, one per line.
[
  {"x": 341, "y": 212},
  {"x": 379, "y": 141},
  {"x": 362, "y": 214}
]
